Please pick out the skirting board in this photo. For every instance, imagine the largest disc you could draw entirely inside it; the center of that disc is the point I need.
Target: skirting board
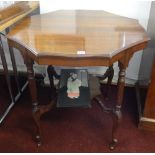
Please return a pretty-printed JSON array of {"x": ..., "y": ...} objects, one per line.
[{"x": 144, "y": 122}]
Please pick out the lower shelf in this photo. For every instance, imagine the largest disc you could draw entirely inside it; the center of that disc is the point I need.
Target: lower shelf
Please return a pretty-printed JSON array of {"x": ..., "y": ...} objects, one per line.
[{"x": 83, "y": 100}]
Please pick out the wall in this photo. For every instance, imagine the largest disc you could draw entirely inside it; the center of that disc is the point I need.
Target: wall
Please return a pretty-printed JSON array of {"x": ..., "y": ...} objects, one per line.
[
  {"x": 149, "y": 53},
  {"x": 133, "y": 9}
]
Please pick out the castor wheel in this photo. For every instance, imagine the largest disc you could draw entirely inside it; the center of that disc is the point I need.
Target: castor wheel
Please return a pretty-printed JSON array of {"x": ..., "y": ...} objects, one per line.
[
  {"x": 39, "y": 144},
  {"x": 113, "y": 144},
  {"x": 38, "y": 140}
]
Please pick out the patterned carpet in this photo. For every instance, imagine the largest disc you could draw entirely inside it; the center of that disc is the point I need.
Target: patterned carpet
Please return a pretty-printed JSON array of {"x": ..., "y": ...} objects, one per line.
[{"x": 72, "y": 129}]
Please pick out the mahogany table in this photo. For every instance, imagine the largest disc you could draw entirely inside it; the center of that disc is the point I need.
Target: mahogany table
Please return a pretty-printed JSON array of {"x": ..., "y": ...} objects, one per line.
[{"x": 78, "y": 38}]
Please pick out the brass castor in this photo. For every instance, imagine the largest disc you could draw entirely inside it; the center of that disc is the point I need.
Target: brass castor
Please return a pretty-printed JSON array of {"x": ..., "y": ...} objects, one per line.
[
  {"x": 113, "y": 144},
  {"x": 39, "y": 144},
  {"x": 38, "y": 140}
]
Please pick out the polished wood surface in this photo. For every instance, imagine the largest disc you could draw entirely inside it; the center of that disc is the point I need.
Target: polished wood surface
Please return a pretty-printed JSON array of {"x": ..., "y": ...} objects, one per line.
[
  {"x": 66, "y": 33},
  {"x": 15, "y": 12},
  {"x": 149, "y": 111}
]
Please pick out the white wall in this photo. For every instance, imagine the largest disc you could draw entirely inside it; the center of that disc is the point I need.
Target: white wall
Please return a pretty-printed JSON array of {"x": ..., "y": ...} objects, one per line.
[{"x": 134, "y": 9}]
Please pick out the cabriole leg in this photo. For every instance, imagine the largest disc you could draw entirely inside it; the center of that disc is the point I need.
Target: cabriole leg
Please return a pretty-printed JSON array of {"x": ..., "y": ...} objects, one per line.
[
  {"x": 51, "y": 74},
  {"x": 109, "y": 75},
  {"x": 117, "y": 114}
]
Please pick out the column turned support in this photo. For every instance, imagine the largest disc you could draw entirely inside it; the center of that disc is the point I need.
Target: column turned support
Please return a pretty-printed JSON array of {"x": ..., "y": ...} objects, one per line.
[
  {"x": 33, "y": 92},
  {"x": 116, "y": 113}
]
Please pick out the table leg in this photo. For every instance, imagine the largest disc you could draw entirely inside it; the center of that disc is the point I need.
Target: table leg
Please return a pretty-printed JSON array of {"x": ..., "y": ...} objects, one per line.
[
  {"x": 117, "y": 114},
  {"x": 37, "y": 110},
  {"x": 110, "y": 77},
  {"x": 33, "y": 92},
  {"x": 51, "y": 74},
  {"x": 108, "y": 74}
]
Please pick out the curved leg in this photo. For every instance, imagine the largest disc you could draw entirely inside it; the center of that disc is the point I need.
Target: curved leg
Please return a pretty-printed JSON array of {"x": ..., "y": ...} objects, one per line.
[
  {"x": 108, "y": 74},
  {"x": 33, "y": 91},
  {"x": 110, "y": 77},
  {"x": 117, "y": 114},
  {"x": 36, "y": 117},
  {"x": 51, "y": 74}
]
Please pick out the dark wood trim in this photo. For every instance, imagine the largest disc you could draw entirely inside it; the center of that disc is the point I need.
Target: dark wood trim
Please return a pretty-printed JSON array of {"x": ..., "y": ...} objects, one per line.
[{"x": 147, "y": 113}]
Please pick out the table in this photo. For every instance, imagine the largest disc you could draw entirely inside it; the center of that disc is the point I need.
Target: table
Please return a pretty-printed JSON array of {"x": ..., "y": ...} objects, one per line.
[
  {"x": 9, "y": 16},
  {"x": 78, "y": 38}
]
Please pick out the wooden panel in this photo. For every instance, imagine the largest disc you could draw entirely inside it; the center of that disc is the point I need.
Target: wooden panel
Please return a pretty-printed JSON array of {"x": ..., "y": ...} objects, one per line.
[
  {"x": 150, "y": 99},
  {"x": 146, "y": 104}
]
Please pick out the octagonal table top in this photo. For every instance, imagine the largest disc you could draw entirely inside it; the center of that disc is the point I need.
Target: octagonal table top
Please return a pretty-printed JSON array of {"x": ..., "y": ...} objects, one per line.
[{"x": 78, "y": 33}]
